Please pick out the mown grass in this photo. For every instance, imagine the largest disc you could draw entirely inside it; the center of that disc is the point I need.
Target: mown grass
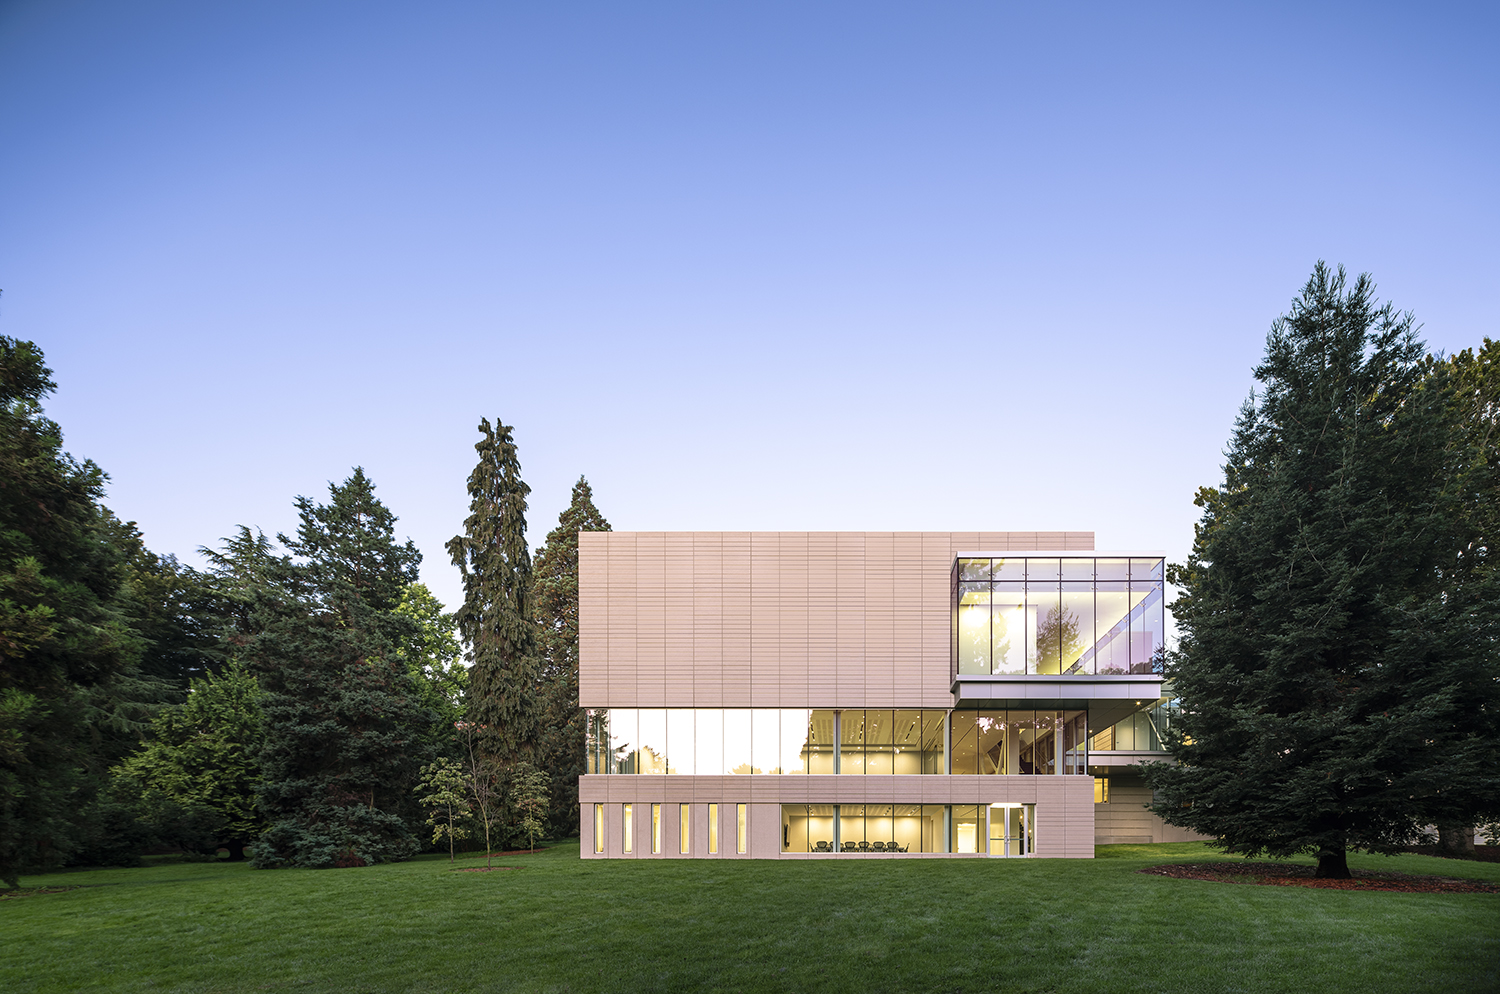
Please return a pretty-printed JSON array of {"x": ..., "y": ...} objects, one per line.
[{"x": 558, "y": 923}]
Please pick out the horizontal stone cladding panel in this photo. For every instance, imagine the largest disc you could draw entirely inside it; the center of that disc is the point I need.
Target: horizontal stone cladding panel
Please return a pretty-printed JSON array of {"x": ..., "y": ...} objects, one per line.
[
  {"x": 1074, "y": 794},
  {"x": 774, "y": 619}
]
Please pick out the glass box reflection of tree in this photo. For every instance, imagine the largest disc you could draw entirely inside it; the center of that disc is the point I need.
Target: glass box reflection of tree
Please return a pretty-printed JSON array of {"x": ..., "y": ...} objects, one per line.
[{"x": 1058, "y": 638}]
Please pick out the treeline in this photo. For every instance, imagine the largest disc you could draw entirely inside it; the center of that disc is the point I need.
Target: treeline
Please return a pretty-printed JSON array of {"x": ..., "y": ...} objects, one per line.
[{"x": 298, "y": 699}]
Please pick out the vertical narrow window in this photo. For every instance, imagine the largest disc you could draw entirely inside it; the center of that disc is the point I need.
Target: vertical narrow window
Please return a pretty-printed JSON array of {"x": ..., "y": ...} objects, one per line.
[
  {"x": 598, "y": 828},
  {"x": 741, "y": 842},
  {"x": 656, "y": 828},
  {"x": 1101, "y": 790},
  {"x": 627, "y": 838},
  {"x": 713, "y": 829},
  {"x": 684, "y": 827}
]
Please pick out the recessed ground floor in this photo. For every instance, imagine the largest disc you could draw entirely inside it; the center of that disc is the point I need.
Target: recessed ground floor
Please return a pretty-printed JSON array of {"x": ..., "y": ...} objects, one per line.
[{"x": 835, "y": 817}]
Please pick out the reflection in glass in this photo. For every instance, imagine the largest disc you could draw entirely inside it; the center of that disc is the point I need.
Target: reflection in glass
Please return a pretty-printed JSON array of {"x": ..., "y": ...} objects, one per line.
[
  {"x": 1020, "y": 732},
  {"x": 681, "y": 741},
  {"x": 974, "y": 628},
  {"x": 1146, "y": 569},
  {"x": 765, "y": 740},
  {"x": 652, "y": 751},
  {"x": 1077, "y": 633},
  {"x": 991, "y": 741},
  {"x": 1112, "y": 623},
  {"x": 820, "y": 741},
  {"x": 624, "y": 734},
  {"x": 973, "y": 569},
  {"x": 794, "y": 729},
  {"x": 1146, "y": 641},
  {"x": 709, "y": 735},
  {"x": 1008, "y": 628},
  {"x": 737, "y": 757},
  {"x": 1045, "y": 627},
  {"x": 1008, "y": 569}
]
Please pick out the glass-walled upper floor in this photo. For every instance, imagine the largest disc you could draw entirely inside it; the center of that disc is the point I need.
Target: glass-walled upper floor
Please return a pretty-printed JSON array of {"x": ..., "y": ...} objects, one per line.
[
  {"x": 1144, "y": 731},
  {"x": 1057, "y": 616},
  {"x": 729, "y": 741}
]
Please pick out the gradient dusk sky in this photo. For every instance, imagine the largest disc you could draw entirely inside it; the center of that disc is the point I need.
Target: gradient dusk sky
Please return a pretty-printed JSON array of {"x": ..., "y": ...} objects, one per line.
[{"x": 859, "y": 266}]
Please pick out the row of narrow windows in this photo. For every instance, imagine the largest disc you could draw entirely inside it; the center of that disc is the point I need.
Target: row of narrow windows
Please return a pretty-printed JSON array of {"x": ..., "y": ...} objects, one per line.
[{"x": 684, "y": 829}]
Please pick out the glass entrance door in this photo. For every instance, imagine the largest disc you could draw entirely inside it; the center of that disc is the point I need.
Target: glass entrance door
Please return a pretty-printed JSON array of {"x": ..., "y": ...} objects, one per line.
[{"x": 1011, "y": 829}]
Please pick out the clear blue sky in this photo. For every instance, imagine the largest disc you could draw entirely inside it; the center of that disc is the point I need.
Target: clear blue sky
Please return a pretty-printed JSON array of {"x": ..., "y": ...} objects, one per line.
[{"x": 744, "y": 265}]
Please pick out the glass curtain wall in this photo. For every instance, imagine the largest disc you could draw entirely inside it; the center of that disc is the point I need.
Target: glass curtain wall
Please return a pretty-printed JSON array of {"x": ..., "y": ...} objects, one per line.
[
  {"x": 861, "y": 742},
  {"x": 1144, "y": 731},
  {"x": 1064, "y": 617},
  {"x": 863, "y": 828}
]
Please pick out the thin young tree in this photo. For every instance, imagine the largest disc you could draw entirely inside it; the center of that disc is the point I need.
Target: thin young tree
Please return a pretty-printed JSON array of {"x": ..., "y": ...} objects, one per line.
[
  {"x": 445, "y": 797},
  {"x": 482, "y": 775},
  {"x": 497, "y": 619},
  {"x": 1338, "y": 617}
]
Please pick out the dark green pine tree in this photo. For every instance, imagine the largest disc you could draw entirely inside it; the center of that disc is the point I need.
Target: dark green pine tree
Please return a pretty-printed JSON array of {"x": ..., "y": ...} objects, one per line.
[
  {"x": 560, "y": 746},
  {"x": 497, "y": 619},
  {"x": 69, "y": 654},
  {"x": 1338, "y": 619},
  {"x": 343, "y": 724}
]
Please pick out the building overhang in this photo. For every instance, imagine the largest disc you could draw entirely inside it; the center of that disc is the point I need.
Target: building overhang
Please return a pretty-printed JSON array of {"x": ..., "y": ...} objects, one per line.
[{"x": 1108, "y": 699}]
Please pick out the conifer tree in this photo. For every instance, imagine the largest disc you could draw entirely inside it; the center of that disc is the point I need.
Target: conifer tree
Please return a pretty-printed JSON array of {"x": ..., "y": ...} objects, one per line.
[
  {"x": 344, "y": 726},
  {"x": 496, "y": 619},
  {"x": 561, "y": 746},
  {"x": 1338, "y": 617}
]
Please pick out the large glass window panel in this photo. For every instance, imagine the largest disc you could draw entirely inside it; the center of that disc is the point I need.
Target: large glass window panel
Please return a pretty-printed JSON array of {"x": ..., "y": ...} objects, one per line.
[
  {"x": 820, "y": 741},
  {"x": 880, "y": 823},
  {"x": 851, "y": 741},
  {"x": 1146, "y": 569},
  {"x": 966, "y": 828},
  {"x": 934, "y": 742},
  {"x": 1043, "y": 627},
  {"x": 1008, "y": 628},
  {"x": 708, "y": 732},
  {"x": 880, "y": 741},
  {"x": 1145, "y": 626},
  {"x": 653, "y": 748},
  {"x": 765, "y": 740},
  {"x": 974, "y": 628},
  {"x": 973, "y": 569},
  {"x": 934, "y": 828},
  {"x": 624, "y": 739},
  {"x": 794, "y": 728},
  {"x": 681, "y": 742},
  {"x": 737, "y": 755},
  {"x": 821, "y": 831},
  {"x": 965, "y": 753},
  {"x": 596, "y": 742},
  {"x": 991, "y": 741},
  {"x": 1075, "y": 743},
  {"x": 794, "y": 835},
  {"x": 1076, "y": 631},
  {"x": 1046, "y": 754},
  {"x": 1008, "y": 569},
  {"x": 1043, "y": 569},
  {"x": 1112, "y": 626},
  {"x": 851, "y": 827},
  {"x": 907, "y": 827},
  {"x": 1111, "y": 569},
  {"x": 1078, "y": 570},
  {"x": 1020, "y": 733},
  {"x": 907, "y": 757}
]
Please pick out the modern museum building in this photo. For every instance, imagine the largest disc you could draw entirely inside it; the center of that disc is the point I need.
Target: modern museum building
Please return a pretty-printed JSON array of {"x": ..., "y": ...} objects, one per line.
[{"x": 807, "y": 695}]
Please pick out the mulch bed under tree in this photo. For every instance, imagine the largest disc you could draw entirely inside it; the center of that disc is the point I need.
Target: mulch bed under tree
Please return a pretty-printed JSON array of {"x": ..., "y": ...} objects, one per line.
[
  {"x": 1298, "y": 875},
  {"x": 1482, "y": 854}
]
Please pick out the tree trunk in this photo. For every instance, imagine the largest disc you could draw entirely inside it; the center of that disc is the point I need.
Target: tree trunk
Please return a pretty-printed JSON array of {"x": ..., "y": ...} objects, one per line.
[
  {"x": 1333, "y": 864},
  {"x": 1457, "y": 839},
  {"x": 236, "y": 849}
]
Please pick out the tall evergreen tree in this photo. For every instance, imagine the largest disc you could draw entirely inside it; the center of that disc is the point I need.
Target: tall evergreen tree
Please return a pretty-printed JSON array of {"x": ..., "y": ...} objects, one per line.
[
  {"x": 497, "y": 618},
  {"x": 65, "y": 633},
  {"x": 343, "y": 722},
  {"x": 1338, "y": 619},
  {"x": 560, "y": 749}
]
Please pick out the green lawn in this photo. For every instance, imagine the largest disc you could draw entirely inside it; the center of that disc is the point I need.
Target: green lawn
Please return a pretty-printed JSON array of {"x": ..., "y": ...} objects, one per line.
[{"x": 562, "y": 924}]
